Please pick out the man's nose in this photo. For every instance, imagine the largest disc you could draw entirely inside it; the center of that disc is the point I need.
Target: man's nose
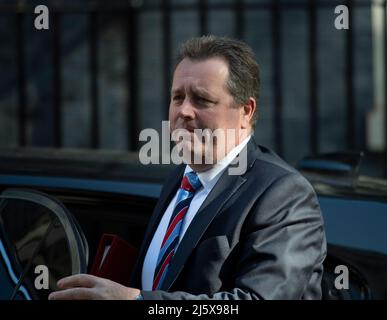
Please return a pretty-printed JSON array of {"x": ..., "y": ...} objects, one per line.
[{"x": 187, "y": 110}]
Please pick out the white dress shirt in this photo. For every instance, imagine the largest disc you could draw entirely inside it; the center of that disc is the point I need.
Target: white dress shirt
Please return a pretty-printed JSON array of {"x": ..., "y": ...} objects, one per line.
[{"x": 208, "y": 179}]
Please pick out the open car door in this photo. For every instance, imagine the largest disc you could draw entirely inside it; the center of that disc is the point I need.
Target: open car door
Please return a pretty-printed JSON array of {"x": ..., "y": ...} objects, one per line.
[{"x": 40, "y": 243}]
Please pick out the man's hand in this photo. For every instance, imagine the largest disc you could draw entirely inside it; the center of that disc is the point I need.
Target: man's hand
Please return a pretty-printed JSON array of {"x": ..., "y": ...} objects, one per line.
[{"x": 88, "y": 287}]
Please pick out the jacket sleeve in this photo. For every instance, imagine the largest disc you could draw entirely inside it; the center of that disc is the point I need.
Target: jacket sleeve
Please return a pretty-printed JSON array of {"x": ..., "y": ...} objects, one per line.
[{"x": 282, "y": 245}]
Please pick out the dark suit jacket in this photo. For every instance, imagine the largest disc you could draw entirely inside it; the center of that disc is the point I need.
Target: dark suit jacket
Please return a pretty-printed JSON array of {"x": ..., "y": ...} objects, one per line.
[{"x": 259, "y": 235}]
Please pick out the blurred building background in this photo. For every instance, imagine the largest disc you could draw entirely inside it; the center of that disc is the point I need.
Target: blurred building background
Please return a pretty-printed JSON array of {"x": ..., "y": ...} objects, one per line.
[{"x": 101, "y": 73}]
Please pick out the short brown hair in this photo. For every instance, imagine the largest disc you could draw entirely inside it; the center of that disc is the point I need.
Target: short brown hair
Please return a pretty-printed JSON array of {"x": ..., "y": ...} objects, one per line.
[{"x": 244, "y": 74}]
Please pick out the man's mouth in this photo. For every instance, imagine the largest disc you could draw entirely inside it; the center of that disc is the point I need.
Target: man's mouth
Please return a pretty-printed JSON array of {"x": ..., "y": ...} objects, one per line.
[{"x": 188, "y": 128}]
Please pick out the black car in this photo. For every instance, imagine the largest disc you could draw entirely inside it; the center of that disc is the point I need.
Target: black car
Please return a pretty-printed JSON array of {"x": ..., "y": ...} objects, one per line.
[{"x": 56, "y": 204}]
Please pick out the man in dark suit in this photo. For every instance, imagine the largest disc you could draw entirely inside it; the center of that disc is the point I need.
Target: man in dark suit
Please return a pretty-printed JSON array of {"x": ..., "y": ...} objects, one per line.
[{"x": 258, "y": 234}]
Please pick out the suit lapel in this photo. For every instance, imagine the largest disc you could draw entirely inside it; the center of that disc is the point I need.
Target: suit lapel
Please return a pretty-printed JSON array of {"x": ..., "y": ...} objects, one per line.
[{"x": 219, "y": 195}]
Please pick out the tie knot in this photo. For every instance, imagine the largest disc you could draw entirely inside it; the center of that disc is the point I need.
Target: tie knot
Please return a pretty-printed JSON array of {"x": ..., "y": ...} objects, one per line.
[{"x": 191, "y": 182}]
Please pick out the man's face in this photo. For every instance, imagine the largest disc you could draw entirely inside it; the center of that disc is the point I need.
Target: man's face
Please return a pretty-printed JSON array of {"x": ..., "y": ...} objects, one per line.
[{"x": 201, "y": 100}]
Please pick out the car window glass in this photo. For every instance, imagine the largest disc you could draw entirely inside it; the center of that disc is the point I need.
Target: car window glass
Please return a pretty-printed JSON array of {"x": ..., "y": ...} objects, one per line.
[{"x": 38, "y": 246}]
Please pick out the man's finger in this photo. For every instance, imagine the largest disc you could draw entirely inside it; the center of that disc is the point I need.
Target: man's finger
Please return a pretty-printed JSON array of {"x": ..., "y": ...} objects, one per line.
[
  {"x": 73, "y": 294},
  {"x": 78, "y": 280}
]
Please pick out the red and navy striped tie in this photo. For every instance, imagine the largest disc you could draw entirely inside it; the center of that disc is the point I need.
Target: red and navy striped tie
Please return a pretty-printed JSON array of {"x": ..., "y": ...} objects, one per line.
[{"x": 189, "y": 185}]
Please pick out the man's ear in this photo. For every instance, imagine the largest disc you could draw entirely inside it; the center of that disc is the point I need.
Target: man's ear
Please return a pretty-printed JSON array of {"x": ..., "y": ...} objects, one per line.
[{"x": 247, "y": 112}]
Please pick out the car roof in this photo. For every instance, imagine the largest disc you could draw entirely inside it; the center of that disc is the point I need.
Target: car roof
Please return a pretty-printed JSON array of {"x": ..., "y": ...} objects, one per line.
[
  {"x": 344, "y": 174},
  {"x": 121, "y": 171},
  {"x": 81, "y": 163}
]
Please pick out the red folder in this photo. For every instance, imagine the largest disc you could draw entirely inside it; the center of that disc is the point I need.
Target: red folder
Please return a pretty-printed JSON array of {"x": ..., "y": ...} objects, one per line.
[{"x": 114, "y": 260}]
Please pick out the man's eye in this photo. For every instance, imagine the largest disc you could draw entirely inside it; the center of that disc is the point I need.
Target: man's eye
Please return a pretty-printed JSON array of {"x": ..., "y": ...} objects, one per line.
[
  {"x": 203, "y": 100},
  {"x": 177, "y": 98}
]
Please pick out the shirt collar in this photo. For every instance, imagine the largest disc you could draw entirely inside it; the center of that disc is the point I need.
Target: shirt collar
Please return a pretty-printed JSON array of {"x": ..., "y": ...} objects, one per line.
[{"x": 210, "y": 177}]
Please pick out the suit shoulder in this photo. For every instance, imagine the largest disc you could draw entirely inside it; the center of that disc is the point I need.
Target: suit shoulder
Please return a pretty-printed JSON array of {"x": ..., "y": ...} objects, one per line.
[
  {"x": 271, "y": 167},
  {"x": 267, "y": 157}
]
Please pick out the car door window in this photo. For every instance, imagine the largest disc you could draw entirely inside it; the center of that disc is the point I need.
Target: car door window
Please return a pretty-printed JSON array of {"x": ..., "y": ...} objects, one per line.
[{"x": 40, "y": 242}]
